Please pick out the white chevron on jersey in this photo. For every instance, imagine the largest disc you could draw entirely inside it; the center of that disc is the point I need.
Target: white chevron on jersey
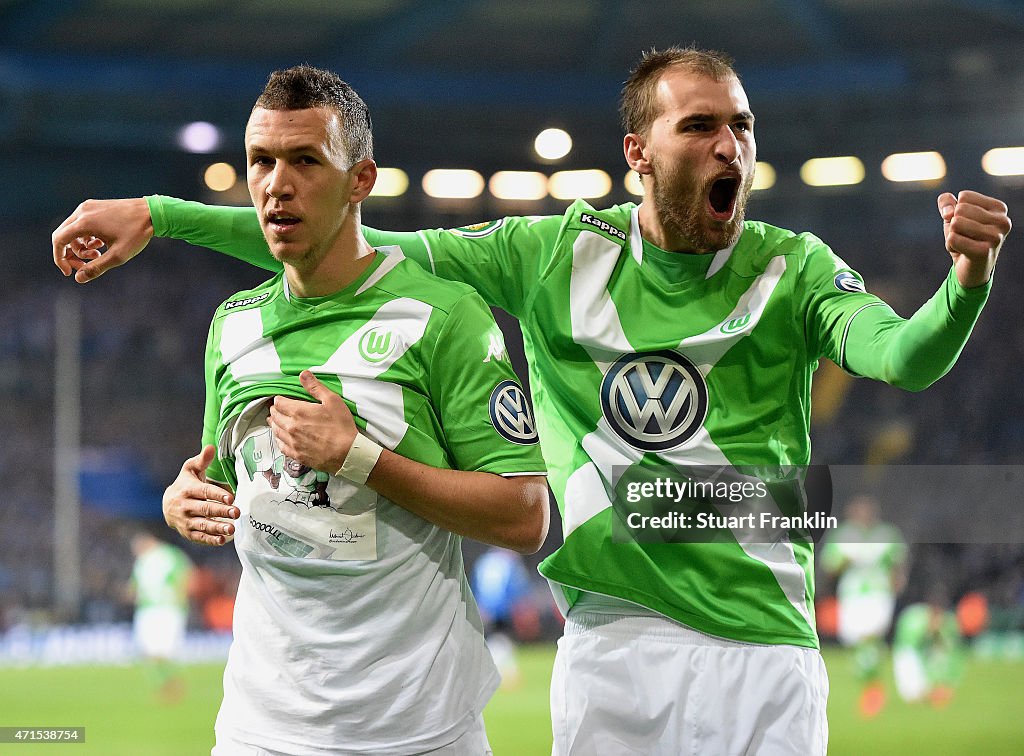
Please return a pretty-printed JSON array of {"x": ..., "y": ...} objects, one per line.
[
  {"x": 596, "y": 327},
  {"x": 243, "y": 347},
  {"x": 381, "y": 404}
]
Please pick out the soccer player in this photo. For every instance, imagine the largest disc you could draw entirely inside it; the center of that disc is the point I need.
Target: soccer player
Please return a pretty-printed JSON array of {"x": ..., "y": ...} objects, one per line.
[
  {"x": 669, "y": 333},
  {"x": 354, "y": 629},
  {"x": 927, "y": 651},
  {"x": 159, "y": 587},
  {"x": 869, "y": 557},
  {"x": 501, "y": 587}
]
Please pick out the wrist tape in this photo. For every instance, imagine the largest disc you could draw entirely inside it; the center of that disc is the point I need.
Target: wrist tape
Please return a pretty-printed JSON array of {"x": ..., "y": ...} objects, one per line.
[{"x": 360, "y": 460}]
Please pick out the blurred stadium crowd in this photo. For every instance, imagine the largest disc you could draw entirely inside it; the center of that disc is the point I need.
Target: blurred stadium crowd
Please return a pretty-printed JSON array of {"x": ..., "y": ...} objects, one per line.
[{"x": 143, "y": 334}]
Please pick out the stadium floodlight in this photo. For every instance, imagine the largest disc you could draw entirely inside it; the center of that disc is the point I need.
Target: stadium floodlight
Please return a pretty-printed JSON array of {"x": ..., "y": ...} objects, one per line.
[
  {"x": 220, "y": 176},
  {"x": 914, "y": 166},
  {"x": 199, "y": 137},
  {"x": 1004, "y": 161},
  {"x": 391, "y": 182},
  {"x": 832, "y": 171},
  {"x": 633, "y": 184},
  {"x": 518, "y": 185},
  {"x": 764, "y": 176},
  {"x": 552, "y": 144},
  {"x": 588, "y": 184},
  {"x": 446, "y": 183}
]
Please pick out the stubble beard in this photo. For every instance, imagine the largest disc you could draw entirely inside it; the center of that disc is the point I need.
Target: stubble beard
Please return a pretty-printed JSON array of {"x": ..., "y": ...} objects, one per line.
[
  {"x": 680, "y": 204},
  {"x": 302, "y": 262}
]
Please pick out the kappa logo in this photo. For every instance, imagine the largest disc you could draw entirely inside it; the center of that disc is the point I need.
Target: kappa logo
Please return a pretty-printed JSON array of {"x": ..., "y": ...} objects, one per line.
[
  {"x": 376, "y": 344},
  {"x": 511, "y": 415},
  {"x": 654, "y": 401},
  {"x": 847, "y": 281},
  {"x": 496, "y": 348},
  {"x": 605, "y": 226},
  {"x": 246, "y": 302}
]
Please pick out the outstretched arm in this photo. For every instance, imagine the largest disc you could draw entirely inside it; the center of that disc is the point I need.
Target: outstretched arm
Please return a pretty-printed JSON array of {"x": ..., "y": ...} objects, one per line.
[
  {"x": 503, "y": 511},
  {"x": 914, "y": 353},
  {"x": 124, "y": 227}
]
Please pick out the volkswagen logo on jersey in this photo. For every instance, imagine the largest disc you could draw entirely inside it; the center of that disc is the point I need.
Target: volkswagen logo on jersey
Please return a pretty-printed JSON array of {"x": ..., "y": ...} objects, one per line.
[
  {"x": 654, "y": 400},
  {"x": 846, "y": 281},
  {"x": 511, "y": 415}
]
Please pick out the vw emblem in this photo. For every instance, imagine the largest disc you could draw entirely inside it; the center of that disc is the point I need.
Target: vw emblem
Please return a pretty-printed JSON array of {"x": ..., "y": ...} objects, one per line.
[
  {"x": 654, "y": 401},
  {"x": 511, "y": 415}
]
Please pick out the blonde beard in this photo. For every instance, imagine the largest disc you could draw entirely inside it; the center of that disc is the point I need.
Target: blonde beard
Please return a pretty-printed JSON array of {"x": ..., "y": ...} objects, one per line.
[{"x": 687, "y": 218}]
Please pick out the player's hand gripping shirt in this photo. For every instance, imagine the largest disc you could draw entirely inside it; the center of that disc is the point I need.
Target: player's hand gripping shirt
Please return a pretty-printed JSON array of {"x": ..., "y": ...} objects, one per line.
[
  {"x": 355, "y": 631},
  {"x": 641, "y": 357}
]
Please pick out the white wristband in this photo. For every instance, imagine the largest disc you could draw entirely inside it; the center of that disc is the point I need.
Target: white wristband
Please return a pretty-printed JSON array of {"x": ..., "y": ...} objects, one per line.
[{"x": 360, "y": 459}]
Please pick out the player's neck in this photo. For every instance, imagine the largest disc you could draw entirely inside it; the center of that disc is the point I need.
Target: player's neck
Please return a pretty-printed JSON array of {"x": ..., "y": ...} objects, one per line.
[
  {"x": 662, "y": 235},
  {"x": 346, "y": 259}
]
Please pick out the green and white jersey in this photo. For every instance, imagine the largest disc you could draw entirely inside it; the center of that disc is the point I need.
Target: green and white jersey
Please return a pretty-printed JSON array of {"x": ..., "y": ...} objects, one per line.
[
  {"x": 641, "y": 357},
  {"x": 918, "y": 629},
  {"x": 355, "y": 630},
  {"x": 866, "y": 558},
  {"x": 160, "y": 578},
  {"x": 417, "y": 359},
  {"x": 936, "y": 641}
]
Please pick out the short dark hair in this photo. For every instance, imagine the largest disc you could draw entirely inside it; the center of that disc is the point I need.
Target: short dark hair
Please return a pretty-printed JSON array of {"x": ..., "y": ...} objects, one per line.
[
  {"x": 638, "y": 105},
  {"x": 301, "y": 87}
]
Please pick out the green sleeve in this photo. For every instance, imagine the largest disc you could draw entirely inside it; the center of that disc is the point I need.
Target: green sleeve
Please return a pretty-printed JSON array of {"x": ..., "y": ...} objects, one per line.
[
  {"x": 502, "y": 259},
  {"x": 914, "y": 353},
  {"x": 234, "y": 231},
  {"x": 221, "y": 470},
  {"x": 487, "y": 422}
]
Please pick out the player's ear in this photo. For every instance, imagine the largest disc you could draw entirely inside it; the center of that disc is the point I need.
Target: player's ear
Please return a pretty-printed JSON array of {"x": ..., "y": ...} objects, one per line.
[
  {"x": 364, "y": 176},
  {"x": 634, "y": 147}
]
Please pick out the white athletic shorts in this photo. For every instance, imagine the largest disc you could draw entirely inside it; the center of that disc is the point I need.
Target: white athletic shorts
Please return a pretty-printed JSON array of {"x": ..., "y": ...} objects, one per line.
[
  {"x": 864, "y": 617},
  {"x": 911, "y": 677},
  {"x": 647, "y": 686},
  {"x": 473, "y": 742},
  {"x": 159, "y": 630}
]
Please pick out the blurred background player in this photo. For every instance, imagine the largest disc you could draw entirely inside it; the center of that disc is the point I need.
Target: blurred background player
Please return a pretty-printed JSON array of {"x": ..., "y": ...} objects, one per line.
[
  {"x": 160, "y": 584},
  {"x": 927, "y": 651},
  {"x": 501, "y": 585},
  {"x": 869, "y": 557}
]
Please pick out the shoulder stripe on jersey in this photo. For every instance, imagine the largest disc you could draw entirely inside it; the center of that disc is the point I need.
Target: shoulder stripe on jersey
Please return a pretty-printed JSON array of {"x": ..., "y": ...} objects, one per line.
[
  {"x": 244, "y": 350},
  {"x": 721, "y": 257},
  {"x": 595, "y": 320},
  {"x": 636, "y": 240},
  {"x": 392, "y": 256},
  {"x": 846, "y": 333},
  {"x": 430, "y": 253}
]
